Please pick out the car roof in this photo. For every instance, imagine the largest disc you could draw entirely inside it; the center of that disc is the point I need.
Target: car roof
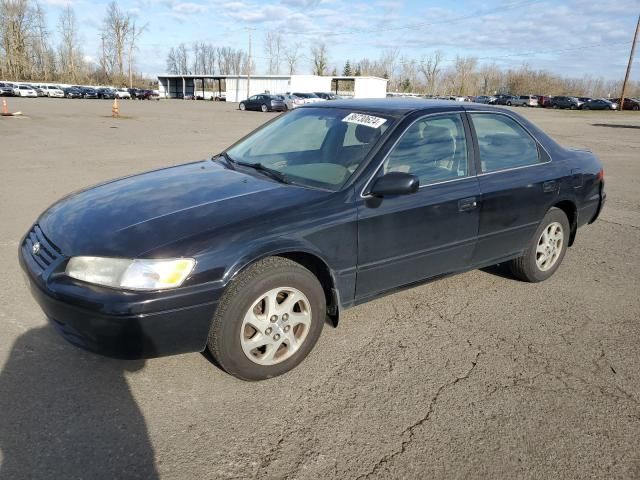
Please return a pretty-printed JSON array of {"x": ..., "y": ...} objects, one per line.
[{"x": 401, "y": 106}]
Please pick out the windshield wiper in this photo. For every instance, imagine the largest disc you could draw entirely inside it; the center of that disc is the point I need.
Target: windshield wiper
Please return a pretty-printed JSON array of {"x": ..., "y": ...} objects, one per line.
[
  {"x": 228, "y": 160},
  {"x": 270, "y": 172}
]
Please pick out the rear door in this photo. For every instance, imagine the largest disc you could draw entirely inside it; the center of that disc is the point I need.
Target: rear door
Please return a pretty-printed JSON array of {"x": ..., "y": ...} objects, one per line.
[
  {"x": 518, "y": 184},
  {"x": 407, "y": 238}
]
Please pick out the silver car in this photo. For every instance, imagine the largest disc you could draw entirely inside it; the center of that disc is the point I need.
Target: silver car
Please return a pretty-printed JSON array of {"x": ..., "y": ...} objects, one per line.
[
  {"x": 291, "y": 101},
  {"x": 525, "y": 101}
]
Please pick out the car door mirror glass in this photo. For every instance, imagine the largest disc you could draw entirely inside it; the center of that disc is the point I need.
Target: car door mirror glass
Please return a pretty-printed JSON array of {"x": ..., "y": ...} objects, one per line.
[{"x": 395, "y": 183}]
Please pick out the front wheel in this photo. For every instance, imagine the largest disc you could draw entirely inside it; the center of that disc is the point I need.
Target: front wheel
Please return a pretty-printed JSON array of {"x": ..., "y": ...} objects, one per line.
[
  {"x": 545, "y": 250},
  {"x": 508, "y": 104},
  {"x": 268, "y": 320}
]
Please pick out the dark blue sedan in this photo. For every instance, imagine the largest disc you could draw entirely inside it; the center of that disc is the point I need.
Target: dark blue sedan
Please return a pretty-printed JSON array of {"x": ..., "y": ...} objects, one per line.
[{"x": 323, "y": 208}]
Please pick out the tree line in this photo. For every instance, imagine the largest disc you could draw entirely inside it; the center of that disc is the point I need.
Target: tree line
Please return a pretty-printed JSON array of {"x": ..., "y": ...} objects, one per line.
[
  {"x": 431, "y": 74},
  {"x": 27, "y": 52}
]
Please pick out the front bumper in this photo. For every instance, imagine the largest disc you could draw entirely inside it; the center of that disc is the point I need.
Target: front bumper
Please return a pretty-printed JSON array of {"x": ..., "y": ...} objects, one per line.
[{"x": 120, "y": 324}]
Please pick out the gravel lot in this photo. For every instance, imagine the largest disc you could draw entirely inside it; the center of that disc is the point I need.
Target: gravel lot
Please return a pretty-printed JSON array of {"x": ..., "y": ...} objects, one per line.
[{"x": 474, "y": 376}]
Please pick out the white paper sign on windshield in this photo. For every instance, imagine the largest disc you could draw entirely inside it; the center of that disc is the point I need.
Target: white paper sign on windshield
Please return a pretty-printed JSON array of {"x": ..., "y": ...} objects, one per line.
[{"x": 363, "y": 119}]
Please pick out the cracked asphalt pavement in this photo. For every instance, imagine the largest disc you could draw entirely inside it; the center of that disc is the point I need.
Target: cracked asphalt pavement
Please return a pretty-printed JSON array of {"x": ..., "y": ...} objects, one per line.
[{"x": 474, "y": 376}]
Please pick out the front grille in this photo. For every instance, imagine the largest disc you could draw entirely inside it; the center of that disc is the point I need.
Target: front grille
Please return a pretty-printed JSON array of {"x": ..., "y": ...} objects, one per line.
[{"x": 46, "y": 254}]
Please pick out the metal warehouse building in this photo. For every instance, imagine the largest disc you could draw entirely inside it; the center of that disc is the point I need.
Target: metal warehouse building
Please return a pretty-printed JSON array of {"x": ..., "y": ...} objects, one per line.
[{"x": 234, "y": 87}]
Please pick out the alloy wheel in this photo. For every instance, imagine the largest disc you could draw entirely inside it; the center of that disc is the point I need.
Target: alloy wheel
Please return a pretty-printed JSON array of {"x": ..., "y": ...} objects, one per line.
[
  {"x": 549, "y": 246},
  {"x": 275, "y": 326}
]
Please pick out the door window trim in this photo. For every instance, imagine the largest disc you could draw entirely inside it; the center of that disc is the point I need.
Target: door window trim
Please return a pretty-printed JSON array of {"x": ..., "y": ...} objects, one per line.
[
  {"x": 471, "y": 167},
  {"x": 479, "y": 172}
]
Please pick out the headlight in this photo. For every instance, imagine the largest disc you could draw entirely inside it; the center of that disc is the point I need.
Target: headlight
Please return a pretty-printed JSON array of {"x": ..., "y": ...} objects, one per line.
[{"x": 139, "y": 274}]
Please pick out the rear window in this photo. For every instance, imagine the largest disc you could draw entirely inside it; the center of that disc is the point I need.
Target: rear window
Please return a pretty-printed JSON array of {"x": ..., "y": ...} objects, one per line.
[{"x": 503, "y": 143}]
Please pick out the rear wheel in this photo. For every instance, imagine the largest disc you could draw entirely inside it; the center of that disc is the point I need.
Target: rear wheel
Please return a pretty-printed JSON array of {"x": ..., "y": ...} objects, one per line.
[
  {"x": 545, "y": 250},
  {"x": 586, "y": 107},
  {"x": 264, "y": 108},
  {"x": 636, "y": 108},
  {"x": 268, "y": 320},
  {"x": 508, "y": 104},
  {"x": 243, "y": 107}
]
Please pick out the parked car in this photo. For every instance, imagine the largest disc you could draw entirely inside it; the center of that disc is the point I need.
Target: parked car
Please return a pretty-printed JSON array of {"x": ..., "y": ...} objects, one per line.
[
  {"x": 264, "y": 102},
  {"x": 106, "y": 93},
  {"x": 486, "y": 99},
  {"x": 53, "y": 91},
  {"x": 291, "y": 101},
  {"x": 629, "y": 103},
  {"x": 566, "y": 102},
  {"x": 40, "y": 92},
  {"x": 599, "y": 104},
  {"x": 326, "y": 95},
  {"x": 308, "y": 97},
  {"x": 6, "y": 89},
  {"x": 545, "y": 100},
  {"x": 24, "y": 91},
  {"x": 133, "y": 92},
  {"x": 525, "y": 101},
  {"x": 89, "y": 92},
  {"x": 146, "y": 95},
  {"x": 123, "y": 93},
  {"x": 191, "y": 257},
  {"x": 505, "y": 100},
  {"x": 72, "y": 92}
]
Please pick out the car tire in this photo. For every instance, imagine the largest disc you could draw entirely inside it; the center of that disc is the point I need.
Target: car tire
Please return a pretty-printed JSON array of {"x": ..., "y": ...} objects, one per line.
[
  {"x": 264, "y": 108},
  {"x": 508, "y": 104},
  {"x": 231, "y": 332},
  {"x": 635, "y": 108},
  {"x": 586, "y": 107},
  {"x": 545, "y": 250},
  {"x": 572, "y": 107},
  {"x": 243, "y": 107}
]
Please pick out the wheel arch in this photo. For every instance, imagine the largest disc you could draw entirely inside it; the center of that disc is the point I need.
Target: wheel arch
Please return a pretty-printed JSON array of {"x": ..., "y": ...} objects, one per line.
[
  {"x": 306, "y": 257},
  {"x": 571, "y": 211}
]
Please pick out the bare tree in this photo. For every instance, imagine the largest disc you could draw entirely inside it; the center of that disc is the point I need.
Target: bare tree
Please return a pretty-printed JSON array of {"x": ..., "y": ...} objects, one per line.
[
  {"x": 319, "y": 59},
  {"x": 116, "y": 34},
  {"x": 273, "y": 46},
  {"x": 292, "y": 57},
  {"x": 16, "y": 22},
  {"x": 430, "y": 68},
  {"x": 69, "y": 49},
  {"x": 465, "y": 72}
]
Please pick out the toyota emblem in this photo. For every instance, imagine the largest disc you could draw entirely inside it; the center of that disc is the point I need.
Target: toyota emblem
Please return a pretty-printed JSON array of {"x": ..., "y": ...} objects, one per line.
[{"x": 36, "y": 248}]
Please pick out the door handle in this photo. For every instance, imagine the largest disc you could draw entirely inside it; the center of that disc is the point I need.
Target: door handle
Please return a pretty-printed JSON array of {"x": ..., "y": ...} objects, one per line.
[
  {"x": 550, "y": 186},
  {"x": 467, "y": 204}
]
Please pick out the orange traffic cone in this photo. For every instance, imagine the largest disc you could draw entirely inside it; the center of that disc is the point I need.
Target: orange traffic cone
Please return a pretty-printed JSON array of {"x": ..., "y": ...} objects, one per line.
[
  {"x": 5, "y": 109},
  {"x": 115, "y": 110}
]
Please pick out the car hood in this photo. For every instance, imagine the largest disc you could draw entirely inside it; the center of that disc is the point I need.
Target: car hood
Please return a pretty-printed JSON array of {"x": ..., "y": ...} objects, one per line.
[{"x": 134, "y": 215}]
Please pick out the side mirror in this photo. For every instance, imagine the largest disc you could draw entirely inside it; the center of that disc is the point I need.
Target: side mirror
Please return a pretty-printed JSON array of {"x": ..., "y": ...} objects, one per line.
[{"x": 395, "y": 183}]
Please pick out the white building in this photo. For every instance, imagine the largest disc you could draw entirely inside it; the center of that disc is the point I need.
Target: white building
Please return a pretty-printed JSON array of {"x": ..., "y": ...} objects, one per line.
[{"x": 238, "y": 87}]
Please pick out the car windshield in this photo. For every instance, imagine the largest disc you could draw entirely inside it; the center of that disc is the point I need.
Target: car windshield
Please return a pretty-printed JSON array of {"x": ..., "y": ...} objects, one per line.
[{"x": 315, "y": 147}]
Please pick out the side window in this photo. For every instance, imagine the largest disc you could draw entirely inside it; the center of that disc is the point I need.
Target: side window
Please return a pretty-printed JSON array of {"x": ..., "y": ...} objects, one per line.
[
  {"x": 503, "y": 143},
  {"x": 433, "y": 148}
]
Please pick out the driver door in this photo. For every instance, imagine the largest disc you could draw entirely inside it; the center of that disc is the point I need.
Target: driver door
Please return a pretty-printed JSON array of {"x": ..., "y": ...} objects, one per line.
[{"x": 408, "y": 238}]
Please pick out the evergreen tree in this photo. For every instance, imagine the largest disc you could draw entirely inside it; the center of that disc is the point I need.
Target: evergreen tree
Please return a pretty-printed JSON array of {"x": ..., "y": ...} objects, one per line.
[{"x": 347, "y": 70}]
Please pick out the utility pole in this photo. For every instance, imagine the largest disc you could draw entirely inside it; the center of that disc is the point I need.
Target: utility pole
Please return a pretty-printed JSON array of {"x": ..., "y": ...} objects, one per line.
[
  {"x": 626, "y": 77},
  {"x": 249, "y": 65}
]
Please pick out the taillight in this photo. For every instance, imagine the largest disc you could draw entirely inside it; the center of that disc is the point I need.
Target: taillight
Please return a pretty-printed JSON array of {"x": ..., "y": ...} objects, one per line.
[{"x": 600, "y": 176}]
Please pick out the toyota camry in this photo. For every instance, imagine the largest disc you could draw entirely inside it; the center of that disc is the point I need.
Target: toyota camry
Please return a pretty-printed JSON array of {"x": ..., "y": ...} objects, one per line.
[{"x": 248, "y": 253}]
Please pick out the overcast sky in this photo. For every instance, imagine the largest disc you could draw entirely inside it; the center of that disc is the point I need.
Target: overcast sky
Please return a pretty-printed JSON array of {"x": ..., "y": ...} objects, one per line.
[{"x": 572, "y": 38}]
